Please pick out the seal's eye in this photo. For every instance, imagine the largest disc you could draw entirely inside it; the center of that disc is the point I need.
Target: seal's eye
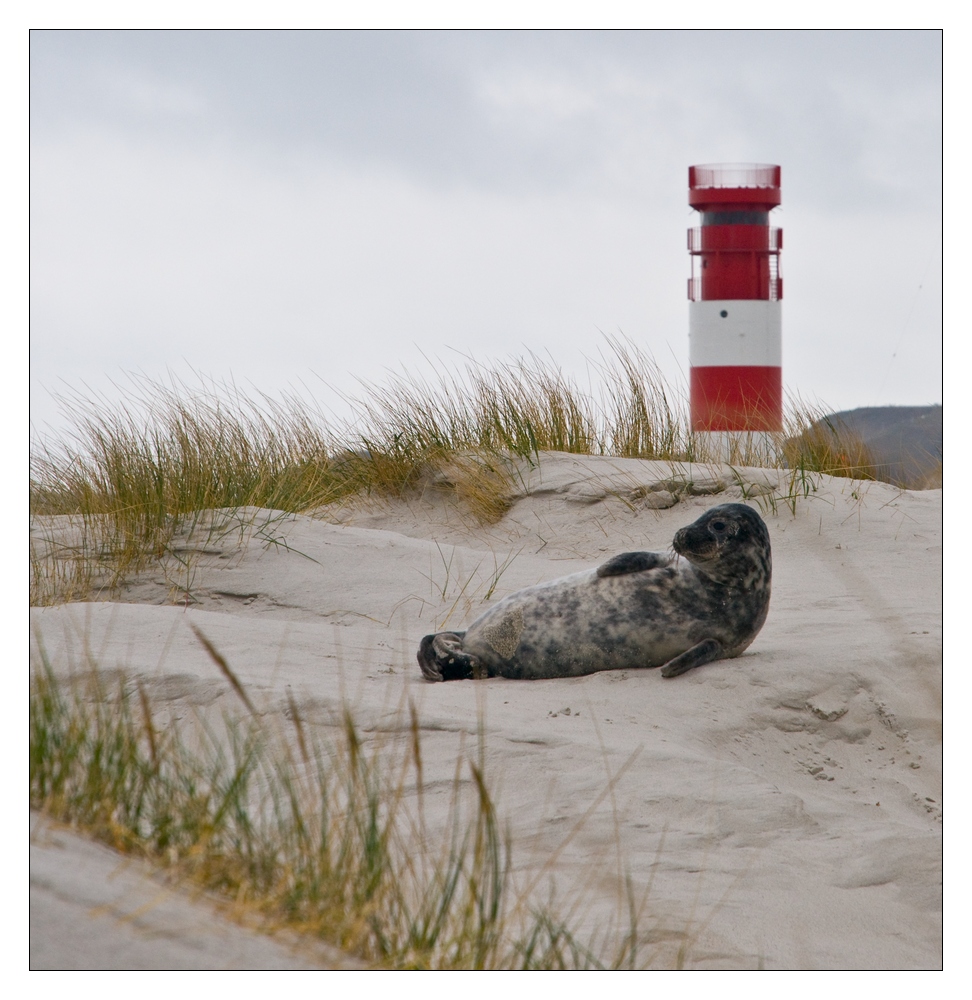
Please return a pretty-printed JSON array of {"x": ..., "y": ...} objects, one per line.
[{"x": 718, "y": 525}]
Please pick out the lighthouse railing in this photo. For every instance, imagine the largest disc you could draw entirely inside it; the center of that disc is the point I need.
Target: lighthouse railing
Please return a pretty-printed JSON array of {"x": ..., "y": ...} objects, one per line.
[{"x": 748, "y": 241}]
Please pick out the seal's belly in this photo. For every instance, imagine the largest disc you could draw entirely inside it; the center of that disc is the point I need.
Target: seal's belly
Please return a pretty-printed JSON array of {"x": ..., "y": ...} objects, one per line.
[{"x": 582, "y": 624}]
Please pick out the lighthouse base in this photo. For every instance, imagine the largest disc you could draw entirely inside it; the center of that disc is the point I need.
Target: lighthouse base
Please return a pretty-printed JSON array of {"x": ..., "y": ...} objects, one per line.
[{"x": 753, "y": 448}]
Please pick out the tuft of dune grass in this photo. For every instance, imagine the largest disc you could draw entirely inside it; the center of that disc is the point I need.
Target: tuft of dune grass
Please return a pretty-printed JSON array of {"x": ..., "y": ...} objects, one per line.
[
  {"x": 823, "y": 446},
  {"x": 131, "y": 474},
  {"x": 325, "y": 838}
]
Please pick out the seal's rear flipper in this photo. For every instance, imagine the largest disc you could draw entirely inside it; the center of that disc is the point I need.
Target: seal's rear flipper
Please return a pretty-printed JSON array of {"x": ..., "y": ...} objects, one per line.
[
  {"x": 441, "y": 658},
  {"x": 701, "y": 653}
]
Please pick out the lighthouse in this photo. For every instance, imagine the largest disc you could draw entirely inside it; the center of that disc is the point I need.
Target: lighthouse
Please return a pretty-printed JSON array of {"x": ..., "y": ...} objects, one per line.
[{"x": 735, "y": 293}]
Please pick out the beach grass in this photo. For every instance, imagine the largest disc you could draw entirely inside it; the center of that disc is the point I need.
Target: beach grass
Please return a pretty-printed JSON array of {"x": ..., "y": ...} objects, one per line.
[
  {"x": 324, "y": 835},
  {"x": 128, "y": 475}
]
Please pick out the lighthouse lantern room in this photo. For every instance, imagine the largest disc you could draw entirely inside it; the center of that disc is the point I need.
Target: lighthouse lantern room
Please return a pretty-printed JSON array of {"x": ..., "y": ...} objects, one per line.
[{"x": 735, "y": 292}]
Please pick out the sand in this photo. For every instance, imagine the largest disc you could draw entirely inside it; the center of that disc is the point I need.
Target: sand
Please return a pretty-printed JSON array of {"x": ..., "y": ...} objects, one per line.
[{"x": 782, "y": 810}]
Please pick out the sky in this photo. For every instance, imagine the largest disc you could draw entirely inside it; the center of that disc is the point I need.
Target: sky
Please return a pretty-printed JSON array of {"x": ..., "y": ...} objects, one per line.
[{"x": 301, "y": 210}]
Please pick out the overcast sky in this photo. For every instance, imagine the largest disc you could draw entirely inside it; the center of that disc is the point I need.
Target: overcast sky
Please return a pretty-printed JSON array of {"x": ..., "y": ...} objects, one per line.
[{"x": 305, "y": 208}]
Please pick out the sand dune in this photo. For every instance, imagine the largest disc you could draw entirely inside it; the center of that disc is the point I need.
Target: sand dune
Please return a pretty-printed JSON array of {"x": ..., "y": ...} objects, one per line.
[{"x": 785, "y": 807}]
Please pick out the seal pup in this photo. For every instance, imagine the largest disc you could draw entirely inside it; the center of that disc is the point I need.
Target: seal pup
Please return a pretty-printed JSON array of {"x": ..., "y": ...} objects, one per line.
[{"x": 639, "y": 609}]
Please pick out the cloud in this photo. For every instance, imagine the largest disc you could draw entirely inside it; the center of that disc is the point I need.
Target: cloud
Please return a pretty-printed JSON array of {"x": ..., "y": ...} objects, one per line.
[{"x": 857, "y": 115}]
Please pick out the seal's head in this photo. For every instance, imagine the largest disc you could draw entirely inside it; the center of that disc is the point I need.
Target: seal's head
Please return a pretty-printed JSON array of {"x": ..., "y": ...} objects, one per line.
[{"x": 730, "y": 544}]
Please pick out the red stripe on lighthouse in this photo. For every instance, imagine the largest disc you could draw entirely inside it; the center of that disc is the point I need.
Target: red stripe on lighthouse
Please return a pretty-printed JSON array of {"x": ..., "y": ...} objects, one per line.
[{"x": 736, "y": 398}]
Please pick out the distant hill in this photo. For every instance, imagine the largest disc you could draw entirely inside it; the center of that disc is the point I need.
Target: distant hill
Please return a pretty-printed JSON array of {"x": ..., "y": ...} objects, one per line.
[{"x": 905, "y": 442}]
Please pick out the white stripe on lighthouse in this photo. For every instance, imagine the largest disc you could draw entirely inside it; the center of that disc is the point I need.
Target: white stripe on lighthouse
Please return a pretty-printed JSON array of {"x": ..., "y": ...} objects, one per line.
[{"x": 751, "y": 333}]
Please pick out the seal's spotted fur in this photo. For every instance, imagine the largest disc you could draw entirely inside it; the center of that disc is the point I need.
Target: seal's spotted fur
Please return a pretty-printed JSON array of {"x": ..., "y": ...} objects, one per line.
[{"x": 640, "y": 609}]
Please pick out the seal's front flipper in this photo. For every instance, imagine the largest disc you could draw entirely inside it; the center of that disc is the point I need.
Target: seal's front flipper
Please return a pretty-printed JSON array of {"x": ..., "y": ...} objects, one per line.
[
  {"x": 703, "y": 652},
  {"x": 441, "y": 658},
  {"x": 633, "y": 562}
]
